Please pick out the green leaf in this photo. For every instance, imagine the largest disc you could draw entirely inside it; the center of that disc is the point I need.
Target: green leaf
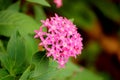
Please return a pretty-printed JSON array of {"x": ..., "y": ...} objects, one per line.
[
  {"x": 15, "y": 6},
  {"x": 108, "y": 8},
  {"x": 16, "y": 53},
  {"x": 3, "y": 72},
  {"x": 73, "y": 72},
  {"x": 39, "y": 13},
  {"x": 44, "y": 69},
  {"x": 2, "y": 49},
  {"x": 26, "y": 74},
  {"x": 8, "y": 77},
  {"x": 63, "y": 74},
  {"x": 31, "y": 47},
  {"x": 85, "y": 75},
  {"x": 41, "y": 2},
  {"x": 41, "y": 66},
  {"x": 4, "y": 4},
  {"x": 6, "y": 29},
  {"x": 5, "y": 60},
  {"x": 10, "y": 20}
]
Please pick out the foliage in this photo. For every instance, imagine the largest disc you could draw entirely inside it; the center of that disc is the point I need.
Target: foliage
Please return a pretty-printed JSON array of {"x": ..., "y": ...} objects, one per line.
[{"x": 20, "y": 58}]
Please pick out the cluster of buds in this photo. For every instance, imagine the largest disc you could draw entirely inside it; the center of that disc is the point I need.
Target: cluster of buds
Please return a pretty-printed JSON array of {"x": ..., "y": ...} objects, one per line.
[{"x": 61, "y": 40}]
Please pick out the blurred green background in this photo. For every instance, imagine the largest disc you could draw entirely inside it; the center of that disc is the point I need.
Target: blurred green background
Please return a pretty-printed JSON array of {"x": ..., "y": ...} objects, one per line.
[{"x": 98, "y": 21}]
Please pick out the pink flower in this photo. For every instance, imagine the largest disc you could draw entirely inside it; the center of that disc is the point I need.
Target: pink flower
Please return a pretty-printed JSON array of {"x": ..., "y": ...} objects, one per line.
[
  {"x": 58, "y": 3},
  {"x": 61, "y": 40}
]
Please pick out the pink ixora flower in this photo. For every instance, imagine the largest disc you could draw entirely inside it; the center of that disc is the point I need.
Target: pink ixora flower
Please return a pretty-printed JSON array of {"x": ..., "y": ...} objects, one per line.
[
  {"x": 58, "y": 3},
  {"x": 61, "y": 40}
]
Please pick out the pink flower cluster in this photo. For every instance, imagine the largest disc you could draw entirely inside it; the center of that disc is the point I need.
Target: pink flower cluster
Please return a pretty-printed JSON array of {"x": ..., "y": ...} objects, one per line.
[
  {"x": 58, "y": 3},
  {"x": 61, "y": 40}
]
